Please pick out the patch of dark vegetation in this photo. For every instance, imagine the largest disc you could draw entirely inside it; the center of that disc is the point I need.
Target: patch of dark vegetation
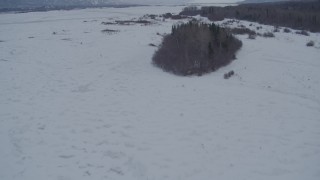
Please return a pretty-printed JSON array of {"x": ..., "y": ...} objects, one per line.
[
  {"x": 196, "y": 48},
  {"x": 85, "y": 21},
  {"x": 297, "y": 15},
  {"x": 66, "y": 39},
  {"x": 230, "y": 22},
  {"x": 286, "y": 30},
  {"x": 174, "y": 16},
  {"x": 159, "y": 34},
  {"x": 228, "y": 75},
  {"x": 152, "y": 45},
  {"x": 108, "y": 23},
  {"x": 128, "y": 22},
  {"x": 241, "y": 31},
  {"x": 151, "y": 16},
  {"x": 1, "y": 41},
  {"x": 268, "y": 35},
  {"x": 177, "y": 17},
  {"x": 276, "y": 29},
  {"x": 110, "y": 31},
  {"x": 310, "y": 43},
  {"x": 167, "y": 15},
  {"x": 305, "y": 33},
  {"x": 191, "y": 11},
  {"x": 252, "y": 36}
]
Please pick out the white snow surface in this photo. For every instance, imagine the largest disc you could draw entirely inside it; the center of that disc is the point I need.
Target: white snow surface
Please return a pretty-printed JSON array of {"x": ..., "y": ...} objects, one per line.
[{"x": 80, "y": 104}]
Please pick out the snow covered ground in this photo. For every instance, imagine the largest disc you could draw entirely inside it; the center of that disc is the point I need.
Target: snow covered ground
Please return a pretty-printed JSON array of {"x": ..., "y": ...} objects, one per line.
[{"x": 77, "y": 104}]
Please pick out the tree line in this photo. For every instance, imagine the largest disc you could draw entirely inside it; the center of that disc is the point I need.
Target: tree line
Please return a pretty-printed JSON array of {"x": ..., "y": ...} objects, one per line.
[{"x": 297, "y": 15}]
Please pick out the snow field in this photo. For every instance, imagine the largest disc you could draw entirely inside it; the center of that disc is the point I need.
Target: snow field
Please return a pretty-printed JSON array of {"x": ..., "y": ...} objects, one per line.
[{"x": 82, "y": 104}]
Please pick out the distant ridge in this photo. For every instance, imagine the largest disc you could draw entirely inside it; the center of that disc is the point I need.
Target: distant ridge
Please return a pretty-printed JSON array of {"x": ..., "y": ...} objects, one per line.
[
  {"x": 40, "y": 3},
  {"x": 269, "y": 1},
  {"x": 9, "y": 4},
  {"x": 22, "y": 6}
]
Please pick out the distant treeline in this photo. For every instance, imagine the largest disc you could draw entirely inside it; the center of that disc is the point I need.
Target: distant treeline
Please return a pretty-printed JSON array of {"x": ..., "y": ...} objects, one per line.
[
  {"x": 297, "y": 15},
  {"x": 54, "y": 8}
]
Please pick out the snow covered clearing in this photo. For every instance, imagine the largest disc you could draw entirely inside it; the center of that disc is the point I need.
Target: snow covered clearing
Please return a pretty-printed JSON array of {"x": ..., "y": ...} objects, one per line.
[{"x": 76, "y": 103}]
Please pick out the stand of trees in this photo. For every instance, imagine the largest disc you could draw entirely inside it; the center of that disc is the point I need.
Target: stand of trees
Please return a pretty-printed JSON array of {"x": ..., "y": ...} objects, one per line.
[
  {"x": 195, "y": 48},
  {"x": 297, "y": 15}
]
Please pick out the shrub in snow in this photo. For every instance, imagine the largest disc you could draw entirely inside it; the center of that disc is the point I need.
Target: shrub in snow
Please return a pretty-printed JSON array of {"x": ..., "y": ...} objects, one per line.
[
  {"x": 310, "y": 43},
  {"x": 286, "y": 30},
  {"x": 152, "y": 45},
  {"x": 228, "y": 74},
  {"x": 109, "y": 31},
  {"x": 276, "y": 29},
  {"x": 167, "y": 15},
  {"x": 303, "y": 33},
  {"x": 268, "y": 34},
  {"x": 196, "y": 48},
  {"x": 241, "y": 31},
  {"x": 252, "y": 36},
  {"x": 108, "y": 23},
  {"x": 177, "y": 17}
]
